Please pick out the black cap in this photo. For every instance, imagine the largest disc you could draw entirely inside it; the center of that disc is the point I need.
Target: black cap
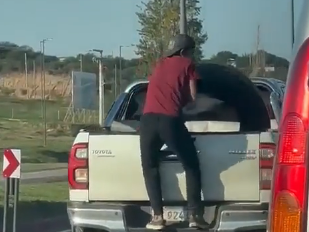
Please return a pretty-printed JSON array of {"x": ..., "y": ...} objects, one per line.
[{"x": 178, "y": 43}]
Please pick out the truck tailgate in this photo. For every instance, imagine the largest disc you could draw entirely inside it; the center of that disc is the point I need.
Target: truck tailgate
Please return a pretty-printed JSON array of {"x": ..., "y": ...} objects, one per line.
[{"x": 229, "y": 164}]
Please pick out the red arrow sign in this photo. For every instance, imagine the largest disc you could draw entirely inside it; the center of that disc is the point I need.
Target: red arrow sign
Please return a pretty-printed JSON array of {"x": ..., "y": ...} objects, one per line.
[{"x": 11, "y": 162}]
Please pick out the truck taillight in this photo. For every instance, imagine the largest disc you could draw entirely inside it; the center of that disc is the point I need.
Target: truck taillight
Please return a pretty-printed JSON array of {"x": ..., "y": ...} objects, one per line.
[
  {"x": 288, "y": 196},
  {"x": 293, "y": 142},
  {"x": 78, "y": 166},
  {"x": 267, "y": 151}
]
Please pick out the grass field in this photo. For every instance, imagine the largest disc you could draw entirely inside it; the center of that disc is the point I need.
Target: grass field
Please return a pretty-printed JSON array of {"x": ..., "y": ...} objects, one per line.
[
  {"x": 21, "y": 127},
  {"x": 31, "y": 110},
  {"x": 49, "y": 192},
  {"x": 27, "y": 134},
  {"x": 29, "y": 138},
  {"x": 36, "y": 167}
]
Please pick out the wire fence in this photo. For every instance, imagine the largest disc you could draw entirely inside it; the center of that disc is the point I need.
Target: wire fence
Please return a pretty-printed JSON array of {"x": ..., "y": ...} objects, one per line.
[
  {"x": 57, "y": 111},
  {"x": 33, "y": 112},
  {"x": 53, "y": 115}
]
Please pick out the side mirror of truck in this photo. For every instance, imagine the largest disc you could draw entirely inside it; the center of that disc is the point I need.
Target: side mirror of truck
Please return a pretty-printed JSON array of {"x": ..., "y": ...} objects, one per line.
[{"x": 276, "y": 105}]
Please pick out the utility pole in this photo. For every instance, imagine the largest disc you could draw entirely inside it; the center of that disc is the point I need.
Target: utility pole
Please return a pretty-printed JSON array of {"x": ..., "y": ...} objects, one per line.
[
  {"x": 120, "y": 63},
  {"x": 101, "y": 87},
  {"x": 43, "y": 89},
  {"x": 41, "y": 79},
  {"x": 115, "y": 81},
  {"x": 120, "y": 67},
  {"x": 26, "y": 74},
  {"x": 256, "y": 56},
  {"x": 81, "y": 62},
  {"x": 292, "y": 23},
  {"x": 34, "y": 77},
  {"x": 183, "y": 17}
]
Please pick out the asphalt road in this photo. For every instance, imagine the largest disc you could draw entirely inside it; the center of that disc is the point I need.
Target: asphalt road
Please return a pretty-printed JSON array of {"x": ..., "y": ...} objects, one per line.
[
  {"x": 48, "y": 176},
  {"x": 55, "y": 224}
]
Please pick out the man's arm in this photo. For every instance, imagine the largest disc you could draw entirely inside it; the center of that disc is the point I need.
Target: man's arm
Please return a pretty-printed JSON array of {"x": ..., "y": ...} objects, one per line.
[
  {"x": 193, "y": 76},
  {"x": 193, "y": 89}
]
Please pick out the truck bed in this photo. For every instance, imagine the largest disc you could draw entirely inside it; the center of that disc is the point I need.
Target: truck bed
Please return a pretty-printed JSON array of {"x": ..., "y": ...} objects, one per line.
[{"x": 229, "y": 163}]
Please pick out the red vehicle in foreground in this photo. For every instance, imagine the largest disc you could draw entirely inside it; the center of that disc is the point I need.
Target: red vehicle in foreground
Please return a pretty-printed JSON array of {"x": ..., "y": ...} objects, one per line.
[{"x": 289, "y": 201}]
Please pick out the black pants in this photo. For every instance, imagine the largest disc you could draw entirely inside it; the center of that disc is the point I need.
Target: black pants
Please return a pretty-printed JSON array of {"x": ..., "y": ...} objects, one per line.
[{"x": 155, "y": 131}]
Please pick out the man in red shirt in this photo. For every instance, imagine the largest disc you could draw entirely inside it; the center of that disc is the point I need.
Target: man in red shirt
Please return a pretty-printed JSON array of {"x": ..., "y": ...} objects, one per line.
[{"x": 172, "y": 86}]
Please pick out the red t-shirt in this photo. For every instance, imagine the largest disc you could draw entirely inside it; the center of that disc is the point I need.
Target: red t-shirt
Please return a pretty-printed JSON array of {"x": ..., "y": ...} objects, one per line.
[{"x": 168, "y": 89}]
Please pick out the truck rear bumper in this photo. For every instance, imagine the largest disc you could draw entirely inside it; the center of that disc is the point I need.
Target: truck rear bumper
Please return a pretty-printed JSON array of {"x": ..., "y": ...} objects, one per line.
[{"x": 124, "y": 217}]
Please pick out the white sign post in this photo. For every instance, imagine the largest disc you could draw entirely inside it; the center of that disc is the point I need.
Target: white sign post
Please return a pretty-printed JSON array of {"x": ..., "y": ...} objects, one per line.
[{"x": 11, "y": 175}]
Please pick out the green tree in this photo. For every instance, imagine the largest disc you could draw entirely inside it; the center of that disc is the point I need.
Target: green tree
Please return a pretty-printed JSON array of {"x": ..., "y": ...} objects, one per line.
[
  {"x": 159, "y": 20},
  {"x": 12, "y": 59}
]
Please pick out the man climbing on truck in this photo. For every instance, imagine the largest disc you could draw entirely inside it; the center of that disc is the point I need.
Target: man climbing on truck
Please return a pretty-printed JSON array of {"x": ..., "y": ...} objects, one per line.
[{"x": 172, "y": 86}]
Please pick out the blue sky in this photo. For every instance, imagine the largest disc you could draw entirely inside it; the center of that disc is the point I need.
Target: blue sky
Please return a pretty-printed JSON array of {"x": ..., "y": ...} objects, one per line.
[{"x": 79, "y": 25}]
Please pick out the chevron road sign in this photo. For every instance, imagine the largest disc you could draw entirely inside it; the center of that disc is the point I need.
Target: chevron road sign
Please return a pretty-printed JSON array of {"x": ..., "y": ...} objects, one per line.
[{"x": 11, "y": 163}]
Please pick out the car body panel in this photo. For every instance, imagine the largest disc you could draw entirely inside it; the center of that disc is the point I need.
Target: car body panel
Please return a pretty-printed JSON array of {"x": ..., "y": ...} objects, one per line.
[{"x": 229, "y": 172}]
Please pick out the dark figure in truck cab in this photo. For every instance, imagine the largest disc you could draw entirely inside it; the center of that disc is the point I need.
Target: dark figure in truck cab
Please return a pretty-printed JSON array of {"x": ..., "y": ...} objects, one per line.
[{"x": 172, "y": 86}]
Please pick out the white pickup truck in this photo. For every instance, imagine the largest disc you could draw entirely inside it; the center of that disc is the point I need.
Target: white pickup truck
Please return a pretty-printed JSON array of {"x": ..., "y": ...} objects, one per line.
[{"x": 235, "y": 132}]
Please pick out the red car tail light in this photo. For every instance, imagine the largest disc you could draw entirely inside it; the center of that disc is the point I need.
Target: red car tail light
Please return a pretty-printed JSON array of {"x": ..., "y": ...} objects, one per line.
[
  {"x": 78, "y": 166},
  {"x": 293, "y": 141},
  {"x": 289, "y": 188},
  {"x": 267, "y": 151}
]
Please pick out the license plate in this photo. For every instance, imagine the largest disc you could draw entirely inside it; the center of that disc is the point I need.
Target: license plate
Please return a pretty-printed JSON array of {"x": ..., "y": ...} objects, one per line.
[{"x": 174, "y": 214}]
